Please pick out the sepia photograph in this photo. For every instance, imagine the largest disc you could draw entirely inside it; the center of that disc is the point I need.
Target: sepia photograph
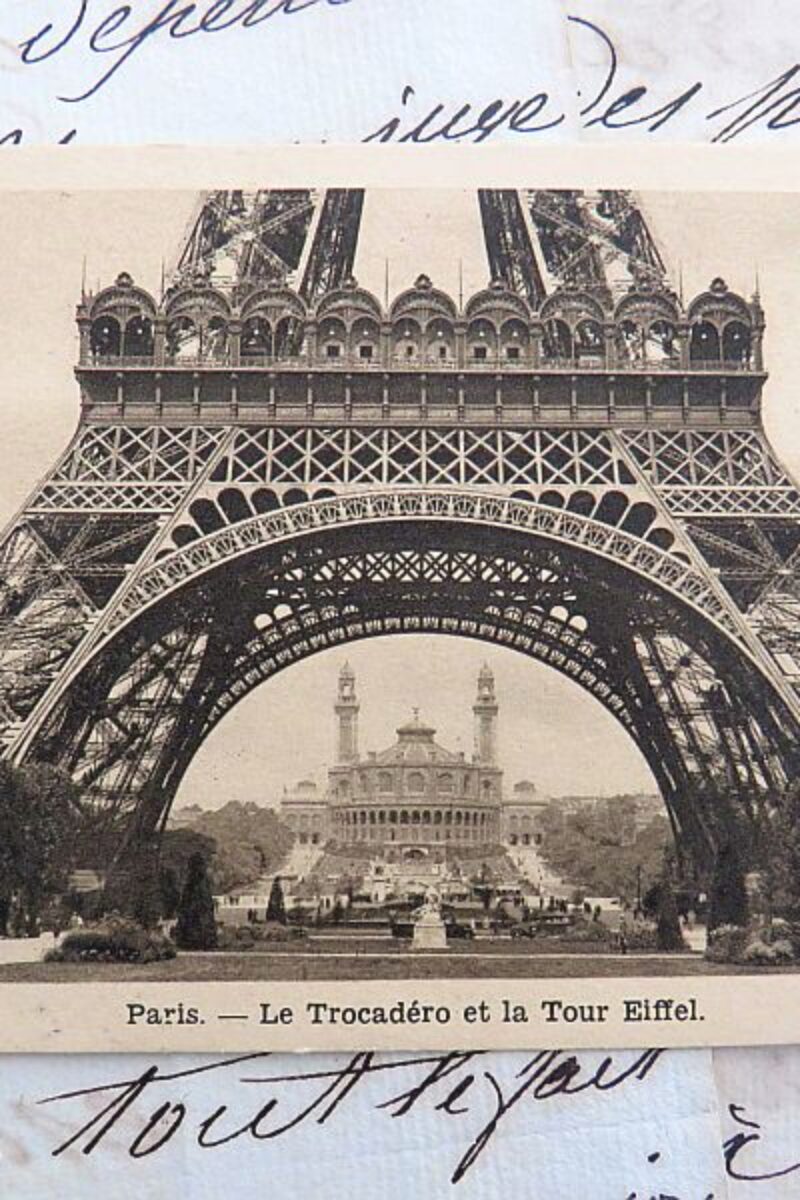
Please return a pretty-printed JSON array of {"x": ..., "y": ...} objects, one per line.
[{"x": 399, "y": 584}]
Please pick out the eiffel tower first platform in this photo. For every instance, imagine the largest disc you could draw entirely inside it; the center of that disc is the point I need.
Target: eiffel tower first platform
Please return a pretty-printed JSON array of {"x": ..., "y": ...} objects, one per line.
[{"x": 271, "y": 461}]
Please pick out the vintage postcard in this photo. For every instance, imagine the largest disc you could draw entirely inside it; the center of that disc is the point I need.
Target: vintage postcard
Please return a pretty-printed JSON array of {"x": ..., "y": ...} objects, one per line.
[{"x": 400, "y": 638}]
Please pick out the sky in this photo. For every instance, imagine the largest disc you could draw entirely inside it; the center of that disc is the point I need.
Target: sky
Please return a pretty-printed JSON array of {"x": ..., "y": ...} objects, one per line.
[{"x": 550, "y": 730}]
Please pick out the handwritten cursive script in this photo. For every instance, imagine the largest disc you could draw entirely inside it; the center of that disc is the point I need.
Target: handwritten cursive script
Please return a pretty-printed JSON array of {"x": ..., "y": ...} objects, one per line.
[
  {"x": 741, "y": 1159},
  {"x": 774, "y": 105},
  {"x": 464, "y": 1088},
  {"x": 122, "y": 34},
  {"x": 117, "y": 37}
]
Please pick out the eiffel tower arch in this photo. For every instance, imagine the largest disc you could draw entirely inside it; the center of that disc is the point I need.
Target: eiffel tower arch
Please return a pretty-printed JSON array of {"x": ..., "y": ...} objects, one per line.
[{"x": 271, "y": 460}]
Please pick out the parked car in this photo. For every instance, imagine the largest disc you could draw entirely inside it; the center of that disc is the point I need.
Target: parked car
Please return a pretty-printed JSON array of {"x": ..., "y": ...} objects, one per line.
[
  {"x": 544, "y": 923},
  {"x": 554, "y": 922},
  {"x": 457, "y": 929}
]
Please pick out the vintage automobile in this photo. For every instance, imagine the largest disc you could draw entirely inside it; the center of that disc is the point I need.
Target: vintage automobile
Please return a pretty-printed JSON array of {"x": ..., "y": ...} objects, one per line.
[{"x": 545, "y": 923}]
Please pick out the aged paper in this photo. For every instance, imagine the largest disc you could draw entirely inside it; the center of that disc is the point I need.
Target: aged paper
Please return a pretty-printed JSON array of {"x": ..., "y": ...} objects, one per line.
[
  {"x": 272, "y": 71},
  {"x": 460, "y": 1125},
  {"x": 440, "y": 403}
]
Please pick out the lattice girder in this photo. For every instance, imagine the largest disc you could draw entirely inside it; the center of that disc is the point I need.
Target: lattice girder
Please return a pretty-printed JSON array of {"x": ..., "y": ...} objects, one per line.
[{"x": 140, "y": 718}]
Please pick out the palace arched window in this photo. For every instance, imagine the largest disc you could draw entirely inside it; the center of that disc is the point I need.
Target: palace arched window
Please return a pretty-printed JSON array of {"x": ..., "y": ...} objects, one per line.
[
  {"x": 215, "y": 342},
  {"x": 289, "y": 335},
  {"x": 138, "y": 338},
  {"x": 440, "y": 341},
  {"x": 416, "y": 782},
  {"x": 704, "y": 345},
  {"x": 558, "y": 345},
  {"x": 404, "y": 817},
  {"x": 105, "y": 338},
  {"x": 661, "y": 342},
  {"x": 589, "y": 343},
  {"x": 183, "y": 339},
  {"x": 481, "y": 341},
  {"x": 736, "y": 342},
  {"x": 365, "y": 340},
  {"x": 406, "y": 339},
  {"x": 445, "y": 784},
  {"x": 515, "y": 341},
  {"x": 188, "y": 339},
  {"x": 385, "y": 782},
  {"x": 256, "y": 338},
  {"x": 630, "y": 344},
  {"x": 333, "y": 338}
]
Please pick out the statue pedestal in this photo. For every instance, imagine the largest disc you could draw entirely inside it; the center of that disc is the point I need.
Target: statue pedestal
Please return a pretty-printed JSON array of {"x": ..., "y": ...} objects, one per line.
[{"x": 429, "y": 933}]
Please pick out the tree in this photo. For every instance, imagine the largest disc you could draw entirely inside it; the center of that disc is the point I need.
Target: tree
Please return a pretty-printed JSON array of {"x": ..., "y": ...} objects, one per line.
[
  {"x": 600, "y": 851},
  {"x": 780, "y": 851},
  {"x": 196, "y": 927},
  {"x": 170, "y": 889},
  {"x": 276, "y": 908},
  {"x": 668, "y": 923},
  {"x": 728, "y": 895},
  {"x": 178, "y": 845},
  {"x": 250, "y": 841},
  {"x": 147, "y": 907},
  {"x": 40, "y": 820}
]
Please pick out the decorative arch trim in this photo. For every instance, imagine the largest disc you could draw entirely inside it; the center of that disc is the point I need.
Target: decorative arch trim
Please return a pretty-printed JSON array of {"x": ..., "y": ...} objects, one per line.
[{"x": 658, "y": 566}]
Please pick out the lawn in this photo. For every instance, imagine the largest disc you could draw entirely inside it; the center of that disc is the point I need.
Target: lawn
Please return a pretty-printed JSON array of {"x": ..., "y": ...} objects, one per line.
[{"x": 339, "y": 959}]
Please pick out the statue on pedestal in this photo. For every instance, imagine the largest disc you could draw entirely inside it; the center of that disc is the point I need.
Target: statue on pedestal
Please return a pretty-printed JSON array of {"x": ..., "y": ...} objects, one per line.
[{"x": 429, "y": 928}]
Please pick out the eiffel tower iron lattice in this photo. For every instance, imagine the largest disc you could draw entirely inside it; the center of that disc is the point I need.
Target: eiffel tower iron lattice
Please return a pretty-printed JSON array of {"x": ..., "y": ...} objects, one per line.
[{"x": 271, "y": 461}]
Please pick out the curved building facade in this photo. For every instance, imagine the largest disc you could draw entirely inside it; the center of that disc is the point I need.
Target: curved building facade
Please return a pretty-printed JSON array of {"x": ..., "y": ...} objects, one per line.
[
  {"x": 414, "y": 796},
  {"x": 416, "y": 793}
]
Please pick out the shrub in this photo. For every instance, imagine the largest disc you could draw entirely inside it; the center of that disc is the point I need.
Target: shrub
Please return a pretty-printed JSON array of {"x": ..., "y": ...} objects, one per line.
[
  {"x": 272, "y": 931},
  {"x": 726, "y": 944},
  {"x": 769, "y": 945},
  {"x": 642, "y": 937},
  {"x": 116, "y": 939},
  {"x": 196, "y": 927},
  {"x": 765, "y": 953},
  {"x": 247, "y": 937},
  {"x": 229, "y": 937},
  {"x": 588, "y": 931}
]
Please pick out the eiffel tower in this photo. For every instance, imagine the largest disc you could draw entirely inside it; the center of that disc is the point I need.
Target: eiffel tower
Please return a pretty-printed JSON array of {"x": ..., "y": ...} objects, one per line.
[{"x": 271, "y": 460}]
